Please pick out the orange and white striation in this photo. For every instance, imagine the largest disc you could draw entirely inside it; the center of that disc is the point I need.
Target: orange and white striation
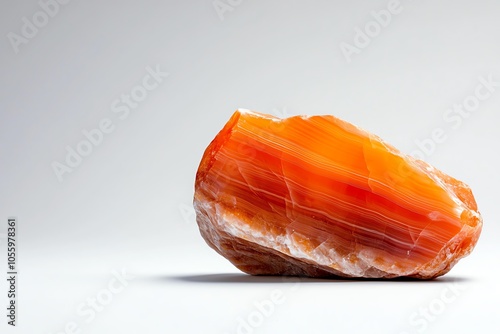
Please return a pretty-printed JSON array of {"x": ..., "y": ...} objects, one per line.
[{"x": 317, "y": 196}]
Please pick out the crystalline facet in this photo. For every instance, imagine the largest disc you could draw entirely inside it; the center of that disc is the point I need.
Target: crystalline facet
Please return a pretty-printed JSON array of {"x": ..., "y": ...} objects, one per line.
[{"x": 317, "y": 196}]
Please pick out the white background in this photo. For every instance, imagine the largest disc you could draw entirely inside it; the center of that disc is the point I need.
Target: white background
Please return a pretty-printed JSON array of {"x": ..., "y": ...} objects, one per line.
[{"x": 127, "y": 205}]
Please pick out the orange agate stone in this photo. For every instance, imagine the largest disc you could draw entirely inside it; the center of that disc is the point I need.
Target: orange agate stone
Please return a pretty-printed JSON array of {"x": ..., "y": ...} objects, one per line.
[{"x": 316, "y": 196}]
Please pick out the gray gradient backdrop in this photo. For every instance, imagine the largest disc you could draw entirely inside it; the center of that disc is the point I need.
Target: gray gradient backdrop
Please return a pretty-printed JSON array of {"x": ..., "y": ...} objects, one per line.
[{"x": 127, "y": 205}]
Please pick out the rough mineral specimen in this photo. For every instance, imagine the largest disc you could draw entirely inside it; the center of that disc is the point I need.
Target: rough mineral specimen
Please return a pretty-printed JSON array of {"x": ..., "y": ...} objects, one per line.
[{"x": 317, "y": 196}]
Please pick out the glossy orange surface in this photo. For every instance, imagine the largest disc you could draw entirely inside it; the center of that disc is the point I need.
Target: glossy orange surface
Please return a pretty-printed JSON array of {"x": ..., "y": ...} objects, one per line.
[{"x": 330, "y": 196}]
